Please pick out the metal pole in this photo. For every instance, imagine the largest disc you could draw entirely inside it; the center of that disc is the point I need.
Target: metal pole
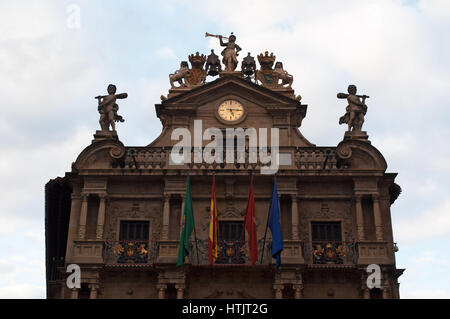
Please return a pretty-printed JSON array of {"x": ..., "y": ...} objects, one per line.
[{"x": 265, "y": 233}]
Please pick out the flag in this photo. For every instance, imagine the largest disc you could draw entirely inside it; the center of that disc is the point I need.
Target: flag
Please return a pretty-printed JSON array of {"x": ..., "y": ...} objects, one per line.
[
  {"x": 187, "y": 227},
  {"x": 213, "y": 226},
  {"x": 273, "y": 222},
  {"x": 250, "y": 225}
]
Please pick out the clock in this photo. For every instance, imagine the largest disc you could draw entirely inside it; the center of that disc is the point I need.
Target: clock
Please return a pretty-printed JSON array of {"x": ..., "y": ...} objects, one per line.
[{"x": 230, "y": 111}]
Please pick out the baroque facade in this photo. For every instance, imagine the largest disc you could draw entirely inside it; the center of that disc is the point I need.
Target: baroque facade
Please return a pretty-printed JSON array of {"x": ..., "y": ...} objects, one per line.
[{"x": 117, "y": 214}]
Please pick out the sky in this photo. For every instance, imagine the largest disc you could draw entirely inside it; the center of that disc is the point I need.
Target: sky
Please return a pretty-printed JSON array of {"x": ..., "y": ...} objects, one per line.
[{"x": 55, "y": 56}]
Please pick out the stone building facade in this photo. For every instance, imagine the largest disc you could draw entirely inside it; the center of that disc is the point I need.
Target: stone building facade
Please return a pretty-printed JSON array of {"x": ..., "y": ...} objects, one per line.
[{"x": 117, "y": 214}]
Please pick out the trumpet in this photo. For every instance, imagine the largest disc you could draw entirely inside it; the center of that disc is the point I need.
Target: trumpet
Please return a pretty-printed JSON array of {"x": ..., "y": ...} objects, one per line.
[{"x": 214, "y": 35}]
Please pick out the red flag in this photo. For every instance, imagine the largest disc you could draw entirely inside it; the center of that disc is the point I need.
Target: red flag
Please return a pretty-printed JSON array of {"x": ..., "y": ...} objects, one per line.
[
  {"x": 250, "y": 225},
  {"x": 213, "y": 226}
]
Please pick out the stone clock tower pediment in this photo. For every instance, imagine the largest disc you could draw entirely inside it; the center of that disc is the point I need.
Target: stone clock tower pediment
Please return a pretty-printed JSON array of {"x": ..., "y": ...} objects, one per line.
[{"x": 262, "y": 107}]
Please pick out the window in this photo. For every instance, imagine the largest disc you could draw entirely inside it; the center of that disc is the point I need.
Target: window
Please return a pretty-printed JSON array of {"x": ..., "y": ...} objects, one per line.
[
  {"x": 326, "y": 231},
  {"x": 134, "y": 230},
  {"x": 231, "y": 231}
]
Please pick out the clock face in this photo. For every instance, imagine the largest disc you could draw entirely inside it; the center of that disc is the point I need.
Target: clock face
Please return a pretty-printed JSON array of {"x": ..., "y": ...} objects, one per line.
[{"x": 231, "y": 110}]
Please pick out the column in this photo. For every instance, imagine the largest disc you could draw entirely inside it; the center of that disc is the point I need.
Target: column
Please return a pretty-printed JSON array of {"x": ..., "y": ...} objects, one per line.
[
  {"x": 377, "y": 217},
  {"x": 298, "y": 291},
  {"x": 161, "y": 291},
  {"x": 183, "y": 197},
  {"x": 74, "y": 293},
  {"x": 63, "y": 290},
  {"x": 101, "y": 216},
  {"x": 278, "y": 291},
  {"x": 366, "y": 293},
  {"x": 386, "y": 292},
  {"x": 294, "y": 205},
  {"x": 74, "y": 223},
  {"x": 166, "y": 216},
  {"x": 180, "y": 290},
  {"x": 83, "y": 216},
  {"x": 94, "y": 291},
  {"x": 359, "y": 218}
]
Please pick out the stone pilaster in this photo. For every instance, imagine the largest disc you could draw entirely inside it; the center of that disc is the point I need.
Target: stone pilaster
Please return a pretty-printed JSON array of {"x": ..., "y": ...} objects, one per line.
[
  {"x": 377, "y": 217},
  {"x": 166, "y": 218},
  {"x": 180, "y": 290},
  {"x": 93, "y": 291},
  {"x": 294, "y": 206},
  {"x": 83, "y": 216},
  {"x": 101, "y": 216},
  {"x": 278, "y": 291},
  {"x": 74, "y": 293},
  {"x": 161, "y": 291},
  {"x": 359, "y": 218},
  {"x": 183, "y": 198},
  {"x": 386, "y": 292},
  {"x": 298, "y": 291}
]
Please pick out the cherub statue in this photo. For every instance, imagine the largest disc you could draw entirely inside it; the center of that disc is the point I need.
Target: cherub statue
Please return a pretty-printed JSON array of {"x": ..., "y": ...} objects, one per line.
[
  {"x": 282, "y": 75},
  {"x": 179, "y": 75},
  {"x": 107, "y": 107},
  {"x": 230, "y": 53},
  {"x": 355, "y": 110}
]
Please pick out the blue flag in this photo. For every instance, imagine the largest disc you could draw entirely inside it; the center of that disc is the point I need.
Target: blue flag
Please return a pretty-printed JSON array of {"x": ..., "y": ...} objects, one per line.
[{"x": 274, "y": 224}]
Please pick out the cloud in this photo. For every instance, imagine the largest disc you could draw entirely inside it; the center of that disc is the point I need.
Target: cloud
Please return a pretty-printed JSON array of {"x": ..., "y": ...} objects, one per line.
[
  {"x": 166, "y": 53},
  {"x": 433, "y": 223},
  {"x": 23, "y": 291},
  {"x": 394, "y": 51}
]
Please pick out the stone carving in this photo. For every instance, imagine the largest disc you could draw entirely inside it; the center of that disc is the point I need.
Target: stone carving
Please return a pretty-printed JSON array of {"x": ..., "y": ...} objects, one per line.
[
  {"x": 107, "y": 107},
  {"x": 270, "y": 77},
  {"x": 213, "y": 66},
  {"x": 248, "y": 66},
  {"x": 179, "y": 75},
  {"x": 265, "y": 74},
  {"x": 355, "y": 111},
  {"x": 230, "y": 53},
  {"x": 282, "y": 75},
  {"x": 197, "y": 74}
]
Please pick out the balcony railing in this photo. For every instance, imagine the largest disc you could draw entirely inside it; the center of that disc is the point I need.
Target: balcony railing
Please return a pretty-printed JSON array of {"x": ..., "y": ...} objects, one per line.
[
  {"x": 327, "y": 252},
  {"x": 230, "y": 253},
  {"x": 300, "y": 157},
  {"x": 135, "y": 252}
]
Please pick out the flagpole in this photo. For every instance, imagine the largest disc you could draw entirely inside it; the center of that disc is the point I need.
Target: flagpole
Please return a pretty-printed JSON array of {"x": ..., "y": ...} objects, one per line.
[
  {"x": 243, "y": 228},
  {"x": 267, "y": 223},
  {"x": 195, "y": 231},
  {"x": 265, "y": 233},
  {"x": 196, "y": 245}
]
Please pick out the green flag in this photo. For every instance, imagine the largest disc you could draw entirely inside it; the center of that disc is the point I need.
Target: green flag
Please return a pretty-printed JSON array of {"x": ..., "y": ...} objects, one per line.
[{"x": 187, "y": 227}]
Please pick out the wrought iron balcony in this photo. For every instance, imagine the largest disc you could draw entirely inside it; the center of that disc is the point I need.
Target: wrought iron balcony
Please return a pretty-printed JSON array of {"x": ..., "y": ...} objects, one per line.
[
  {"x": 134, "y": 252},
  {"x": 324, "y": 252},
  {"x": 229, "y": 253}
]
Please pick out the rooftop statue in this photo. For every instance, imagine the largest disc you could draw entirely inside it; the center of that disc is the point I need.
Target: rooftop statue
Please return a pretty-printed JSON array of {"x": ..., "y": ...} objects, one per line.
[
  {"x": 213, "y": 66},
  {"x": 230, "y": 53},
  {"x": 248, "y": 66},
  {"x": 179, "y": 75},
  {"x": 282, "y": 75},
  {"x": 107, "y": 107},
  {"x": 355, "y": 110},
  {"x": 197, "y": 73}
]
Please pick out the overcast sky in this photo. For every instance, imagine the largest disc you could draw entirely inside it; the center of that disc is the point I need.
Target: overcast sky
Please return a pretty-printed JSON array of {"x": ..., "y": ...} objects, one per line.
[{"x": 396, "y": 51}]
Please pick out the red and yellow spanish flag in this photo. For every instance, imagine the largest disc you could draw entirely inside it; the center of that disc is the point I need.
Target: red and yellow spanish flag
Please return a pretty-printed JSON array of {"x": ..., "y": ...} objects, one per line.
[
  {"x": 250, "y": 225},
  {"x": 213, "y": 225}
]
